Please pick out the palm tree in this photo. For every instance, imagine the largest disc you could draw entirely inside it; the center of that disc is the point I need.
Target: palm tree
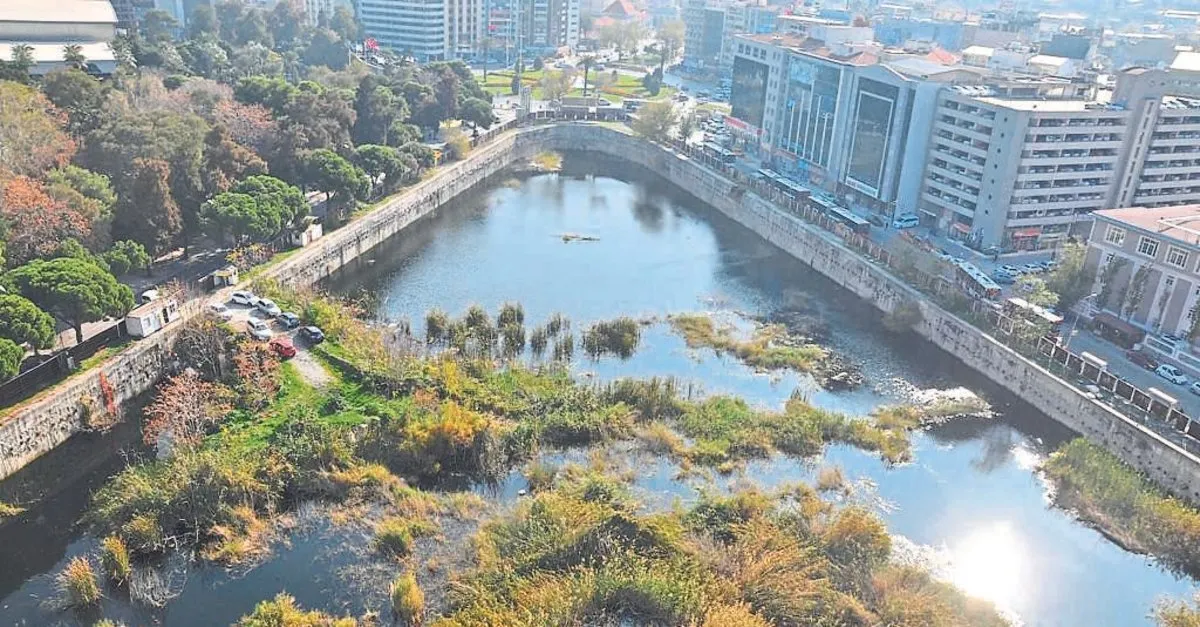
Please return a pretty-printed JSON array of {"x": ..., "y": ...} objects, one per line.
[
  {"x": 73, "y": 55},
  {"x": 22, "y": 55},
  {"x": 587, "y": 63}
]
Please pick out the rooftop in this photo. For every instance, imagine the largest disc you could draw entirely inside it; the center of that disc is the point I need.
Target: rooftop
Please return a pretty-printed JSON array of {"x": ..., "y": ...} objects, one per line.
[
  {"x": 1055, "y": 106},
  {"x": 60, "y": 11},
  {"x": 1180, "y": 223},
  {"x": 1187, "y": 62},
  {"x": 813, "y": 47}
]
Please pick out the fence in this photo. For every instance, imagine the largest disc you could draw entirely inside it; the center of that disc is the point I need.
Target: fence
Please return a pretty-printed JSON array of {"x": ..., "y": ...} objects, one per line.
[{"x": 58, "y": 366}]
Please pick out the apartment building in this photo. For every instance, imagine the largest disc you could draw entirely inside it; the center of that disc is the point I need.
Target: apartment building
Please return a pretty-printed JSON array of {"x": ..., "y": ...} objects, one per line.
[
  {"x": 1147, "y": 263},
  {"x": 1018, "y": 172},
  {"x": 417, "y": 27},
  {"x": 448, "y": 29}
]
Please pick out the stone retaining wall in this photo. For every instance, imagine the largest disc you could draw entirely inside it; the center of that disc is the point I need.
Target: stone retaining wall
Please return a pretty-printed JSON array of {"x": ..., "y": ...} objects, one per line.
[{"x": 44, "y": 424}]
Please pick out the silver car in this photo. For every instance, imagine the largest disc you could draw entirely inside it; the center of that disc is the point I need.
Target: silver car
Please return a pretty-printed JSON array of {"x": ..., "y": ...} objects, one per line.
[
  {"x": 268, "y": 306},
  {"x": 258, "y": 329}
]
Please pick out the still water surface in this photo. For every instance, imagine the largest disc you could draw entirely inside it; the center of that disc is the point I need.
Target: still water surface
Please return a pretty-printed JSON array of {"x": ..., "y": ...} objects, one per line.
[{"x": 970, "y": 504}]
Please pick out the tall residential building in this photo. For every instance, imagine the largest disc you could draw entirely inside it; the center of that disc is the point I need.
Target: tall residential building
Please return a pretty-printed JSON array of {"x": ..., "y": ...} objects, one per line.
[
  {"x": 838, "y": 119},
  {"x": 449, "y": 29}
]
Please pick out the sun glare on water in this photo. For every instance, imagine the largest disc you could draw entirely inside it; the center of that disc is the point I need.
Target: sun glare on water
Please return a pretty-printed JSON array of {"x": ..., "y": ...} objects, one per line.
[{"x": 990, "y": 564}]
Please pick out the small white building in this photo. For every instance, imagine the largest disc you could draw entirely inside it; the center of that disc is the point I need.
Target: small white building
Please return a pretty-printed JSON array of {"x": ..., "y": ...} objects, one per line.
[
  {"x": 57, "y": 21},
  {"x": 149, "y": 318}
]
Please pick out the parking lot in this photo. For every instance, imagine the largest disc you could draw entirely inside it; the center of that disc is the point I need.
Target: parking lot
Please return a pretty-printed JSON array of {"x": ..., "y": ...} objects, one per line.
[{"x": 240, "y": 316}]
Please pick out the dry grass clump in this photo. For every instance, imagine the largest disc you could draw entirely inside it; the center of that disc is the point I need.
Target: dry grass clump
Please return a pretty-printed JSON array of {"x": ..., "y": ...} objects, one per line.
[
  {"x": 408, "y": 602},
  {"x": 282, "y": 611},
  {"x": 114, "y": 559},
  {"x": 770, "y": 347},
  {"x": 8, "y": 511},
  {"x": 831, "y": 479},
  {"x": 77, "y": 584},
  {"x": 394, "y": 537}
]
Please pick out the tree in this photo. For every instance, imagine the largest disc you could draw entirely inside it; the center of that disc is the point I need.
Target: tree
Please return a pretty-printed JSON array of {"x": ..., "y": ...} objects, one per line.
[
  {"x": 32, "y": 139},
  {"x": 586, "y": 62},
  {"x": 382, "y": 163},
  {"x": 655, "y": 120},
  {"x": 687, "y": 125},
  {"x": 158, "y": 26},
  {"x": 73, "y": 290},
  {"x": 1035, "y": 291},
  {"x": 275, "y": 196},
  {"x": 127, "y": 255},
  {"x": 255, "y": 59},
  {"x": 73, "y": 56},
  {"x": 206, "y": 344},
  {"x": 88, "y": 194},
  {"x": 36, "y": 222},
  {"x": 286, "y": 21},
  {"x": 457, "y": 145},
  {"x": 253, "y": 27},
  {"x": 146, "y": 211},
  {"x": 78, "y": 94},
  {"x": 1072, "y": 280},
  {"x": 257, "y": 370},
  {"x": 326, "y": 48},
  {"x": 17, "y": 70},
  {"x": 203, "y": 22},
  {"x": 421, "y": 153},
  {"x": 235, "y": 215},
  {"x": 376, "y": 109},
  {"x": 184, "y": 409},
  {"x": 226, "y": 161},
  {"x": 555, "y": 85},
  {"x": 10, "y": 358},
  {"x": 477, "y": 113},
  {"x": 343, "y": 23},
  {"x": 323, "y": 118},
  {"x": 22, "y": 322},
  {"x": 272, "y": 92},
  {"x": 671, "y": 36},
  {"x": 342, "y": 183}
]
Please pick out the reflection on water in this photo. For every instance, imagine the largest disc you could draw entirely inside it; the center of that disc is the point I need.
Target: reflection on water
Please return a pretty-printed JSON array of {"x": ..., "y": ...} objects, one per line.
[
  {"x": 969, "y": 501},
  {"x": 990, "y": 562}
]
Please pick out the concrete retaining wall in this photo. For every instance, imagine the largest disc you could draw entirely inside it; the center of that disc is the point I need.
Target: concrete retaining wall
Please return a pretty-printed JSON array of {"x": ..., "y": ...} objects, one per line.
[{"x": 43, "y": 425}]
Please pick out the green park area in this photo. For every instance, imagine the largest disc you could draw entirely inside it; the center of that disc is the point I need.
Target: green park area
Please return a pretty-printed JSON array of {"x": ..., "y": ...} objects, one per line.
[{"x": 613, "y": 86}]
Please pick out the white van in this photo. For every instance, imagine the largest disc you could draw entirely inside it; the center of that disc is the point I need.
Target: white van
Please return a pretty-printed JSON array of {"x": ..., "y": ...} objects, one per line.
[{"x": 906, "y": 221}]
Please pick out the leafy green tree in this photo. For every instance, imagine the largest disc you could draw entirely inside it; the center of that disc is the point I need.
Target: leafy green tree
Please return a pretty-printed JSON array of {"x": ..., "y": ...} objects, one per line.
[
  {"x": 22, "y": 322},
  {"x": 73, "y": 56},
  {"x": 146, "y": 212},
  {"x": 229, "y": 14},
  {"x": 238, "y": 216},
  {"x": 340, "y": 180},
  {"x": 226, "y": 161},
  {"x": 421, "y": 153},
  {"x": 655, "y": 120},
  {"x": 323, "y": 117},
  {"x": 477, "y": 113},
  {"x": 326, "y": 48},
  {"x": 402, "y": 133},
  {"x": 87, "y": 193},
  {"x": 272, "y": 92},
  {"x": 382, "y": 163},
  {"x": 78, "y": 94},
  {"x": 376, "y": 109},
  {"x": 158, "y": 26},
  {"x": 343, "y": 23},
  {"x": 253, "y": 27},
  {"x": 255, "y": 59},
  {"x": 203, "y": 22},
  {"x": 275, "y": 196},
  {"x": 127, "y": 255},
  {"x": 1072, "y": 280},
  {"x": 72, "y": 290},
  {"x": 205, "y": 57},
  {"x": 286, "y": 21},
  {"x": 1035, "y": 291},
  {"x": 10, "y": 359}
]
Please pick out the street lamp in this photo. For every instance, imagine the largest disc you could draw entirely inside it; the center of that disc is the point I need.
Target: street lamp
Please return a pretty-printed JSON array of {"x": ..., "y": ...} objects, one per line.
[{"x": 1075, "y": 322}]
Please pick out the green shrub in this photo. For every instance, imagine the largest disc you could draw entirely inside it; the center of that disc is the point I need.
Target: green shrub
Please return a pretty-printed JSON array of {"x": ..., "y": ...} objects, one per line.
[
  {"x": 282, "y": 611},
  {"x": 619, "y": 337},
  {"x": 394, "y": 538}
]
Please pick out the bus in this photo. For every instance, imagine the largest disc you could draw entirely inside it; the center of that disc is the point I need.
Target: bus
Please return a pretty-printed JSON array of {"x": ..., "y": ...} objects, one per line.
[
  {"x": 717, "y": 152},
  {"x": 856, "y": 223},
  {"x": 1022, "y": 309},
  {"x": 975, "y": 282}
]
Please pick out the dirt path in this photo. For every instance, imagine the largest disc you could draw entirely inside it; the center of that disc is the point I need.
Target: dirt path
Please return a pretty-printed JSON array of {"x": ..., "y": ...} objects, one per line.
[{"x": 310, "y": 369}]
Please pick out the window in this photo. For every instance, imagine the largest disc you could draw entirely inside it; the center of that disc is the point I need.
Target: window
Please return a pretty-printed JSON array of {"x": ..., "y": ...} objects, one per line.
[
  {"x": 1177, "y": 257},
  {"x": 1114, "y": 236},
  {"x": 1108, "y": 258},
  {"x": 1148, "y": 247}
]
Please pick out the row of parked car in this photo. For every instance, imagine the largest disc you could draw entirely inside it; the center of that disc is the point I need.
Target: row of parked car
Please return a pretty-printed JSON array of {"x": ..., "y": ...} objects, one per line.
[
  {"x": 1009, "y": 273},
  {"x": 260, "y": 328},
  {"x": 1166, "y": 371}
]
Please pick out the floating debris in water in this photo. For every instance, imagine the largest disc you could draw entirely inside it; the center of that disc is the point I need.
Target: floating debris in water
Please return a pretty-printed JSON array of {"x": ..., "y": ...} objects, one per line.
[{"x": 576, "y": 237}]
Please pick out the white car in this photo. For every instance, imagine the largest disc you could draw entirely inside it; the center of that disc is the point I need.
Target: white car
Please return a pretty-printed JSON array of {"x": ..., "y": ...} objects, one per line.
[
  {"x": 243, "y": 298},
  {"x": 268, "y": 306},
  {"x": 1172, "y": 374},
  {"x": 906, "y": 221},
  {"x": 258, "y": 329},
  {"x": 221, "y": 311}
]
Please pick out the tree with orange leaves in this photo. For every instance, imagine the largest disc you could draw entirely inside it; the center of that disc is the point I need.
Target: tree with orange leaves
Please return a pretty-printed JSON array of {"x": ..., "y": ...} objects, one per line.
[
  {"x": 185, "y": 408},
  {"x": 37, "y": 223},
  {"x": 32, "y": 135}
]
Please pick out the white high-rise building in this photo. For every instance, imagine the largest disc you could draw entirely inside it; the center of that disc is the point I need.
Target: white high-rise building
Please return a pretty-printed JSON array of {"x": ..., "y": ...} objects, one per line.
[{"x": 451, "y": 29}]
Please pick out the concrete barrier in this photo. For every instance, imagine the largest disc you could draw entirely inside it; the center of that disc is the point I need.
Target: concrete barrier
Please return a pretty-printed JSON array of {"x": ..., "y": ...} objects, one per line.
[{"x": 33, "y": 430}]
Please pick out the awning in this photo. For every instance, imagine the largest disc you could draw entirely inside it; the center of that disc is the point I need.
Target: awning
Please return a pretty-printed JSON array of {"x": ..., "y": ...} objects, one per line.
[
  {"x": 960, "y": 227},
  {"x": 1114, "y": 322},
  {"x": 1027, "y": 233}
]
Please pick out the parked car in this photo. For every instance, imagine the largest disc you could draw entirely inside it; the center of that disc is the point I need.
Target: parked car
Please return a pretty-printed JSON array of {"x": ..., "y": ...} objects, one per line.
[
  {"x": 875, "y": 219},
  {"x": 1003, "y": 278},
  {"x": 1172, "y": 374},
  {"x": 1011, "y": 269},
  {"x": 288, "y": 319},
  {"x": 243, "y": 298},
  {"x": 149, "y": 295},
  {"x": 313, "y": 335},
  {"x": 221, "y": 311},
  {"x": 1048, "y": 265},
  {"x": 258, "y": 329},
  {"x": 1142, "y": 359},
  {"x": 1195, "y": 388},
  {"x": 906, "y": 221},
  {"x": 1033, "y": 268},
  {"x": 268, "y": 306},
  {"x": 283, "y": 347}
]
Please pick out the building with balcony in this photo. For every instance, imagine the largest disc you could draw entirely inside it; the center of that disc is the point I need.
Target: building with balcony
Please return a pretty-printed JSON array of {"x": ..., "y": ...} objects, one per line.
[
  {"x": 48, "y": 26},
  {"x": 1147, "y": 263}
]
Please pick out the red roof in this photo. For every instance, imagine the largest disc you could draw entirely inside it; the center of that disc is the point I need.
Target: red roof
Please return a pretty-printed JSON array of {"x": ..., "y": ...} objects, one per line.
[
  {"x": 945, "y": 57},
  {"x": 621, "y": 8}
]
